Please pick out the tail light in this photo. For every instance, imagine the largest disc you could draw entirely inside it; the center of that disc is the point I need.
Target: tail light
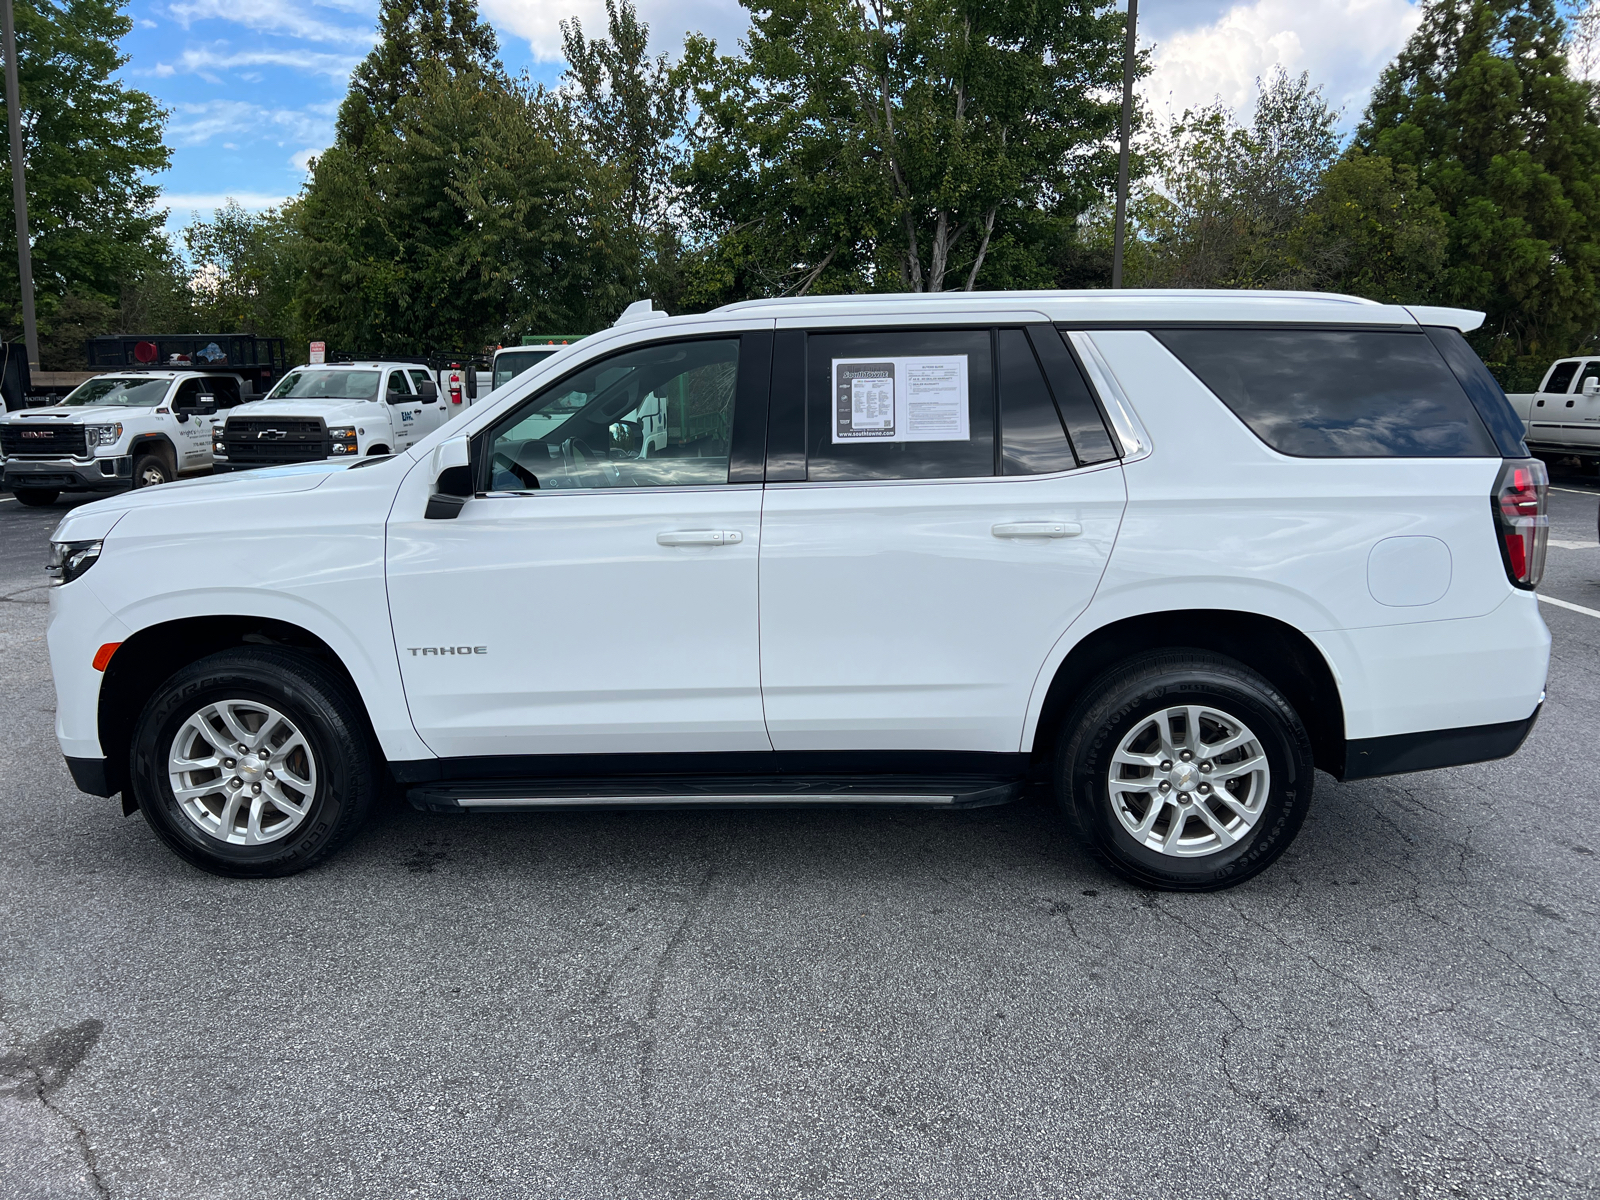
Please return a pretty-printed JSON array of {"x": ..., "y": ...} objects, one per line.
[{"x": 1522, "y": 519}]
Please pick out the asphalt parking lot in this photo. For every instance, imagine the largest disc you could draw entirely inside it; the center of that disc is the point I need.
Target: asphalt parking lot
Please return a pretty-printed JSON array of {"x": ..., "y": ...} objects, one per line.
[{"x": 767, "y": 1004}]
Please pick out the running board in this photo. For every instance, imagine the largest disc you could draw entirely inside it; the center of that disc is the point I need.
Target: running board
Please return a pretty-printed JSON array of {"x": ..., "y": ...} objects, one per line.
[{"x": 904, "y": 791}]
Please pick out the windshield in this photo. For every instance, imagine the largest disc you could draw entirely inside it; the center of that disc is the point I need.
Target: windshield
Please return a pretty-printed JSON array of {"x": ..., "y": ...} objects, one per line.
[
  {"x": 321, "y": 384},
  {"x": 140, "y": 392},
  {"x": 508, "y": 364}
]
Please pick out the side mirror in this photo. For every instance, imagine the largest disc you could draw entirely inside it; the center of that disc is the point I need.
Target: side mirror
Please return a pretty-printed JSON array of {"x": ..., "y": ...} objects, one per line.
[
  {"x": 626, "y": 438},
  {"x": 427, "y": 391},
  {"x": 396, "y": 396},
  {"x": 1591, "y": 385},
  {"x": 452, "y": 479},
  {"x": 182, "y": 414}
]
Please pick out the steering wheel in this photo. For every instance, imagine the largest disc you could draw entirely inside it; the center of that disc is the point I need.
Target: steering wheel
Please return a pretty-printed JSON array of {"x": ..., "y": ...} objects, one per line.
[
  {"x": 505, "y": 462},
  {"x": 577, "y": 457}
]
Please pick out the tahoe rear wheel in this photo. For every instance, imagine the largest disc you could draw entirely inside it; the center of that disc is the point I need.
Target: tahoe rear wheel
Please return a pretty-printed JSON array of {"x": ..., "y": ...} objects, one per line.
[
  {"x": 35, "y": 497},
  {"x": 253, "y": 762},
  {"x": 1185, "y": 771},
  {"x": 149, "y": 470}
]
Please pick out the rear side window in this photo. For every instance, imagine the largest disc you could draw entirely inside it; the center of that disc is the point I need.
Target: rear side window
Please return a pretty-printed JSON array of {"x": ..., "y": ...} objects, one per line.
[
  {"x": 1342, "y": 393},
  {"x": 1560, "y": 378},
  {"x": 899, "y": 405},
  {"x": 1032, "y": 439}
]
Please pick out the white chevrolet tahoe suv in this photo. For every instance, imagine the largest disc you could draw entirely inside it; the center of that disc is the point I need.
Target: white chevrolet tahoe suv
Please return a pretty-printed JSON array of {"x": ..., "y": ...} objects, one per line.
[
  {"x": 125, "y": 429},
  {"x": 1168, "y": 551},
  {"x": 347, "y": 410}
]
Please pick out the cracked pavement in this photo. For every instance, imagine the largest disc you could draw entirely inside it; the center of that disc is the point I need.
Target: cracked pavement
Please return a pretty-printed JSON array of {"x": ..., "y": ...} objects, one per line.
[{"x": 767, "y": 1004}]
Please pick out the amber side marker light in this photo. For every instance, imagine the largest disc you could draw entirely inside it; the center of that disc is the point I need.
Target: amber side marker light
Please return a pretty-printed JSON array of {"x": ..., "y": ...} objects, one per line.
[{"x": 102, "y": 656}]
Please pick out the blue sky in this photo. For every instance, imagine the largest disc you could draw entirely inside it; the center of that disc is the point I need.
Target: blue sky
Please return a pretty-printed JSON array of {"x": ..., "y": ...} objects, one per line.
[{"x": 253, "y": 85}]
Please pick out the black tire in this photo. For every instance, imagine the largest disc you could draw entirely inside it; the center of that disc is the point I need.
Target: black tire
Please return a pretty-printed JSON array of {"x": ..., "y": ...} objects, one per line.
[
  {"x": 36, "y": 497},
  {"x": 317, "y": 704},
  {"x": 151, "y": 470},
  {"x": 1125, "y": 702}
]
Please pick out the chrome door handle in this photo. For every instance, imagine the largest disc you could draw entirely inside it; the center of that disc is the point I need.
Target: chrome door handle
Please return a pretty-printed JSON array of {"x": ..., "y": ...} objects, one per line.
[
  {"x": 1037, "y": 529},
  {"x": 700, "y": 537}
]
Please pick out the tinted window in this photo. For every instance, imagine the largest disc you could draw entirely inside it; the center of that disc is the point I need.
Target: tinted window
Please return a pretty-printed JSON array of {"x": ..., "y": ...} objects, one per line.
[
  {"x": 660, "y": 416},
  {"x": 1560, "y": 378},
  {"x": 1591, "y": 370},
  {"x": 398, "y": 385},
  {"x": 912, "y": 405},
  {"x": 1032, "y": 440},
  {"x": 1337, "y": 393}
]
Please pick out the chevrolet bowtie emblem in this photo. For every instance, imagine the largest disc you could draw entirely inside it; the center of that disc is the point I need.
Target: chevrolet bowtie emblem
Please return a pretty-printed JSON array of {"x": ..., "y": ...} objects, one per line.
[{"x": 270, "y": 433}]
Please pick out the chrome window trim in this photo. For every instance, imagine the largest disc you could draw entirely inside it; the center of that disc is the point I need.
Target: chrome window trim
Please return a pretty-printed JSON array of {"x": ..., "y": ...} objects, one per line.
[{"x": 1119, "y": 410}]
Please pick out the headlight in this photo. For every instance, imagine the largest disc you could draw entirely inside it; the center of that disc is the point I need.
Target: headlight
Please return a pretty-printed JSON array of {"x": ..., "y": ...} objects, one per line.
[
  {"x": 68, "y": 560},
  {"x": 343, "y": 438},
  {"x": 104, "y": 435}
]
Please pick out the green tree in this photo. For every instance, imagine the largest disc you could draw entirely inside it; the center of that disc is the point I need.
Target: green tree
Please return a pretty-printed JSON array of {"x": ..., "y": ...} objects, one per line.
[
  {"x": 1481, "y": 106},
  {"x": 91, "y": 144},
  {"x": 455, "y": 207},
  {"x": 1225, "y": 199},
  {"x": 898, "y": 144},
  {"x": 247, "y": 267}
]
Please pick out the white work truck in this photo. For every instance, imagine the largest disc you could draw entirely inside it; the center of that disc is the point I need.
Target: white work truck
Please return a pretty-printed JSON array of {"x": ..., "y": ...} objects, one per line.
[
  {"x": 1563, "y": 416},
  {"x": 124, "y": 429},
  {"x": 334, "y": 410}
]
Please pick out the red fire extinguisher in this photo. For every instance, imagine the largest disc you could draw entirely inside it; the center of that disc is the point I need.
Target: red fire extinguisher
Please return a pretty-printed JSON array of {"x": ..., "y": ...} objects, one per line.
[{"x": 455, "y": 384}]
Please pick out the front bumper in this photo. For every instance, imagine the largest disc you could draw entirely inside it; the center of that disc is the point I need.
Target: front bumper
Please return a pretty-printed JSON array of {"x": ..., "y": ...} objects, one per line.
[{"x": 110, "y": 474}]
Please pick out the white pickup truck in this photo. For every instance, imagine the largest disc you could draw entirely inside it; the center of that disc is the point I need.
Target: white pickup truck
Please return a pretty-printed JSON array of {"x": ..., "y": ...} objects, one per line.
[
  {"x": 333, "y": 411},
  {"x": 124, "y": 429},
  {"x": 1563, "y": 416}
]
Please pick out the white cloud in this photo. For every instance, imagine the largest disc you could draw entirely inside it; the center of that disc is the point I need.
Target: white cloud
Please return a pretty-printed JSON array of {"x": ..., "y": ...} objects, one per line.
[
  {"x": 539, "y": 21},
  {"x": 275, "y": 16},
  {"x": 300, "y": 160},
  {"x": 211, "y": 64},
  {"x": 1344, "y": 44},
  {"x": 196, "y": 124}
]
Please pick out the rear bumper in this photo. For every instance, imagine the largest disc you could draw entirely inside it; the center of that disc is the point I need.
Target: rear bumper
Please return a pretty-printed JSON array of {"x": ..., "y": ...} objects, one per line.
[
  {"x": 1403, "y": 753},
  {"x": 70, "y": 474}
]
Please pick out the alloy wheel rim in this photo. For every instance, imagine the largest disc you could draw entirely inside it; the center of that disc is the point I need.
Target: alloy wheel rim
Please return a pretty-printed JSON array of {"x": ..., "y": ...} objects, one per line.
[
  {"x": 1188, "y": 781},
  {"x": 242, "y": 772}
]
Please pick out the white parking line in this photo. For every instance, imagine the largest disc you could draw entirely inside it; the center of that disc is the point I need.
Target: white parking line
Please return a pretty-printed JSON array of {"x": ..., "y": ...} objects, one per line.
[
  {"x": 1564, "y": 545},
  {"x": 1574, "y": 491},
  {"x": 1577, "y": 608}
]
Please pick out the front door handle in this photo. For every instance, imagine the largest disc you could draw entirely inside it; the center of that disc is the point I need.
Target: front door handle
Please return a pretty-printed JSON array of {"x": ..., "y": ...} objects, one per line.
[
  {"x": 700, "y": 537},
  {"x": 1037, "y": 529}
]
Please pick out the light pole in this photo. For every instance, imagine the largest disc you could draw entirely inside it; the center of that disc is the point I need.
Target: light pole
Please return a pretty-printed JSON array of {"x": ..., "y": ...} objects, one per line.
[
  {"x": 19, "y": 186},
  {"x": 1127, "y": 132}
]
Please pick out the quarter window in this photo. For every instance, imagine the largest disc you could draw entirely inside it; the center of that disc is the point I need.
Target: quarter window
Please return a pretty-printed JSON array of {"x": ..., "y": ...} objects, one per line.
[
  {"x": 659, "y": 416},
  {"x": 1354, "y": 393},
  {"x": 900, "y": 405}
]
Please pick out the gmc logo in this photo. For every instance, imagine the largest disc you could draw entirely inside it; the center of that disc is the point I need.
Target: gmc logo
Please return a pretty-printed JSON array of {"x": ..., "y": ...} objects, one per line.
[{"x": 38, "y": 433}]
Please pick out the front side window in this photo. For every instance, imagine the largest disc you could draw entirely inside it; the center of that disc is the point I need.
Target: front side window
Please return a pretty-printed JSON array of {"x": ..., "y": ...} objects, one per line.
[
  {"x": 1591, "y": 370},
  {"x": 1560, "y": 378},
  {"x": 658, "y": 416},
  {"x": 899, "y": 405},
  {"x": 1337, "y": 393},
  {"x": 398, "y": 385},
  {"x": 140, "y": 393},
  {"x": 324, "y": 383}
]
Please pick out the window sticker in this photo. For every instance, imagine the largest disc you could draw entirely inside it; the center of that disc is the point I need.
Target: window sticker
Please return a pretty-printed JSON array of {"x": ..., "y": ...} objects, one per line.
[{"x": 921, "y": 399}]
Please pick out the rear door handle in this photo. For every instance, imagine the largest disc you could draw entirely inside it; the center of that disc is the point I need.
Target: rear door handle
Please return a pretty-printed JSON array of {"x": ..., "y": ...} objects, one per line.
[
  {"x": 1037, "y": 529},
  {"x": 700, "y": 537}
]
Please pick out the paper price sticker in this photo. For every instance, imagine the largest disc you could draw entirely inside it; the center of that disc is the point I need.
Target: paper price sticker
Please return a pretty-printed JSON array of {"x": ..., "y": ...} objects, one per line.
[{"x": 901, "y": 399}]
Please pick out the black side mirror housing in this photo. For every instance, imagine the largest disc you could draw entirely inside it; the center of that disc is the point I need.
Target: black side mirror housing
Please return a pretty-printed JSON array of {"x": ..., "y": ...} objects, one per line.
[
  {"x": 427, "y": 391},
  {"x": 453, "y": 489},
  {"x": 182, "y": 414}
]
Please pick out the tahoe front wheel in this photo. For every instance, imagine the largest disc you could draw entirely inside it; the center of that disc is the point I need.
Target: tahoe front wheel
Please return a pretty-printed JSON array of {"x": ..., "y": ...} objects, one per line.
[
  {"x": 253, "y": 763},
  {"x": 1185, "y": 771}
]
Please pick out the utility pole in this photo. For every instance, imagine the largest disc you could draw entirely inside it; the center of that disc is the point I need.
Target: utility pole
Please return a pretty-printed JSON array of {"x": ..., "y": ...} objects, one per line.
[
  {"x": 19, "y": 186},
  {"x": 1127, "y": 133}
]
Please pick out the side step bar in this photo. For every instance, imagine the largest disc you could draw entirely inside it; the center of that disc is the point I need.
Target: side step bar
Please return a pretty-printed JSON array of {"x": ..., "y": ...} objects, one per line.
[{"x": 907, "y": 791}]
